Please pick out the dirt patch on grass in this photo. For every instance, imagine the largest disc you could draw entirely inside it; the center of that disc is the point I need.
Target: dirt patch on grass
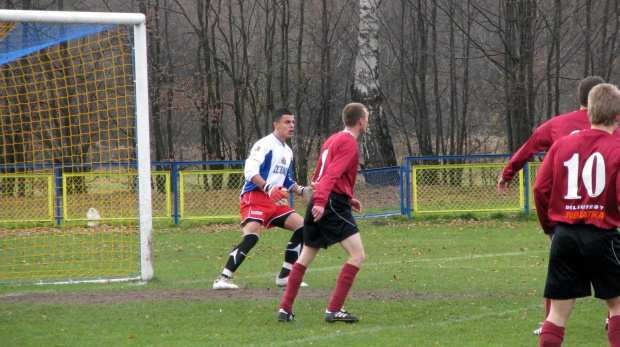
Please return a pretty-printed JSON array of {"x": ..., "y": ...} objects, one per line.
[{"x": 116, "y": 297}]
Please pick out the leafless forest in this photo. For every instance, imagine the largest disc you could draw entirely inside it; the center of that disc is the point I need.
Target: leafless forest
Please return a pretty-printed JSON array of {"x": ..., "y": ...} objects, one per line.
[{"x": 440, "y": 77}]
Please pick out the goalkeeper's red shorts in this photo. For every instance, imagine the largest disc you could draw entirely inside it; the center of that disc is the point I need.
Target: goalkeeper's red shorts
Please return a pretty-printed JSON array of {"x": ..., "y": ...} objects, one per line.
[{"x": 257, "y": 206}]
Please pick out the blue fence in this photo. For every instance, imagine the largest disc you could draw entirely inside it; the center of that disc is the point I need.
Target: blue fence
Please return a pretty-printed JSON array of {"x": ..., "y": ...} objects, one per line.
[
  {"x": 375, "y": 188},
  {"x": 438, "y": 184}
]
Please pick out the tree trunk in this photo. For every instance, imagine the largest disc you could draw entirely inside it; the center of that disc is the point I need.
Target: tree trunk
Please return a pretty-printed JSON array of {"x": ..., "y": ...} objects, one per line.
[
  {"x": 302, "y": 138},
  {"x": 587, "y": 63},
  {"x": 268, "y": 49},
  {"x": 326, "y": 80},
  {"x": 377, "y": 147},
  {"x": 439, "y": 141},
  {"x": 151, "y": 10},
  {"x": 284, "y": 63},
  {"x": 419, "y": 80},
  {"x": 518, "y": 66}
]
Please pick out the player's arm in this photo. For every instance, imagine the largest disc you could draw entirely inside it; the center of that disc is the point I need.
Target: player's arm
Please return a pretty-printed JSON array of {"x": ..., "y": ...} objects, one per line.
[
  {"x": 294, "y": 187},
  {"x": 277, "y": 194},
  {"x": 254, "y": 162},
  {"x": 540, "y": 141},
  {"x": 502, "y": 184},
  {"x": 542, "y": 191},
  {"x": 317, "y": 212},
  {"x": 334, "y": 167},
  {"x": 258, "y": 180},
  {"x": 306, "y": 191}
]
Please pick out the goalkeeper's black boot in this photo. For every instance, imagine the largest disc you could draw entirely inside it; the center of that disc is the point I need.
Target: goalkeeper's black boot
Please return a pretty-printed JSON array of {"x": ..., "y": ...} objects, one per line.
[
  {"x": 284, "y": 316},
  {"x": 340, "y": 316}
]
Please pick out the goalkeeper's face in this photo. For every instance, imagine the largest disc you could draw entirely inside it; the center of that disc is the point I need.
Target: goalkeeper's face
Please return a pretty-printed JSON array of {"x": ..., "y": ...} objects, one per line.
[{"x": 285, "y": 128}]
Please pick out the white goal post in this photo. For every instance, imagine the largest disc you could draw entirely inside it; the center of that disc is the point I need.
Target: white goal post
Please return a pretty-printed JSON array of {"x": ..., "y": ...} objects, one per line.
[{"x": 142, "y": 143}]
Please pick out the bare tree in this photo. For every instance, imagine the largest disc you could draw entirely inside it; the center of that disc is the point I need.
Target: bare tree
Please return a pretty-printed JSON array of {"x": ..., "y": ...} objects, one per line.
[
  {"x": 518, "y": 62},
  {"x": 305, "y": 130},
  {"x": 326, "y": 74},
  {"x": 204, "y": 87},
  {"x": 151, "y": 9},
  {"x": 377, "y": 147}
]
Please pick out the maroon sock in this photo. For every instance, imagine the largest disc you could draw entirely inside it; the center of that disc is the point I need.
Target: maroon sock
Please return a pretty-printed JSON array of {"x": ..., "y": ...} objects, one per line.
[
  {"x": 613, "y": 331},
  {"x": 292, "y": 287},
  {"x": 345, "y": 281},
  {"x": 547, "y": 307},
  {"x": 551, "y": 335}
]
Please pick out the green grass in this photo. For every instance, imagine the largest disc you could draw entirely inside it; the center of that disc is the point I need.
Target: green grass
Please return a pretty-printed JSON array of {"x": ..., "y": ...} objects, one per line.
[{"x": 465, "y": 282}]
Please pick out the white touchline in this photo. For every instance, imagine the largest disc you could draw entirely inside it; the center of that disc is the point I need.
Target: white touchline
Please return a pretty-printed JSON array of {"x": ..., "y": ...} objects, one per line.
[
  {"x": 475, "y": 256},
  {"x": 401, "y": 326},
  {"x": 426, "y": 260}
]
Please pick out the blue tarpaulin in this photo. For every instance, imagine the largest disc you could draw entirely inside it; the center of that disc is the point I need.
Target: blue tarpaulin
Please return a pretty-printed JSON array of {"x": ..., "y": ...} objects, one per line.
[{"x": 28, "y": 38}]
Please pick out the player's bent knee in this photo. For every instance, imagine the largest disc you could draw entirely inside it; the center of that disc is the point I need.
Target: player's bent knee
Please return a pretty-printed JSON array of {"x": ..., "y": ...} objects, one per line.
[{"x": 357, "y": 259}]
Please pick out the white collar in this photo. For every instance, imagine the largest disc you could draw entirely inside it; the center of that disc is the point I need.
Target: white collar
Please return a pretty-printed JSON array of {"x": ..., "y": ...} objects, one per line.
[{"x": 278, "y": 140}]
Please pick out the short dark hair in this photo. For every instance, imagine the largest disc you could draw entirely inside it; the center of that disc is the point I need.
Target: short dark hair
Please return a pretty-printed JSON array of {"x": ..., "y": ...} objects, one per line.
[
  {"x": 585, "y": 86},
  {"x": 352, "y": 113},
  {"x": 277, "y": 114}
]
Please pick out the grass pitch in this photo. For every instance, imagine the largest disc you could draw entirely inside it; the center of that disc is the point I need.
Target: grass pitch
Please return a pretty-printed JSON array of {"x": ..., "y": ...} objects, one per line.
[{"x": 426, "y": 282}]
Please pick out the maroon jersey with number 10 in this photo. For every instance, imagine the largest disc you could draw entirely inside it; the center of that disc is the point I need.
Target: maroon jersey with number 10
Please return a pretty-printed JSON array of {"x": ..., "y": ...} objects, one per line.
[
  {"x": 336, "y": 169},
  {"x": 578, "y": 181}
]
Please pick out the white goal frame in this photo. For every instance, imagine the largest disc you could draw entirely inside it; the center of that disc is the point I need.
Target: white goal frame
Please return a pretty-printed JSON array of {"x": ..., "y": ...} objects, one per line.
[{"x": 138, "y": 21}]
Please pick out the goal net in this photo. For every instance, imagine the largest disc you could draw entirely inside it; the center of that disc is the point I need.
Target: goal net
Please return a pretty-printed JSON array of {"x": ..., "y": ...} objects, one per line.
[{"x": 75, "y": 181}]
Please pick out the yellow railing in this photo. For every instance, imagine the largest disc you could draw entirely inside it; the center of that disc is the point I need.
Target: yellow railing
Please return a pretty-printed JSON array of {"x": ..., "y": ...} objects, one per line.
[
  {"x": 26, "y": 198},
  {"x": 210, "y": 194},
  {"x": 113, "y": 194},
  {"x": 463, "y": 188}
]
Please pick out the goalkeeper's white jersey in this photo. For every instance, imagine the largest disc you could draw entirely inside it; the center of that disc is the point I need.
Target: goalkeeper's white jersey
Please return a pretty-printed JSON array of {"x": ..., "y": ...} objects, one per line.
[{"x": 271, "y": 159}]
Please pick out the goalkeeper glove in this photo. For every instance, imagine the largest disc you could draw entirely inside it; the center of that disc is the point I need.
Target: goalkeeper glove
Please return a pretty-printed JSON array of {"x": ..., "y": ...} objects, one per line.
[
  {"x": 306, "y": 192},
  {"x": 277, "y": 194}
]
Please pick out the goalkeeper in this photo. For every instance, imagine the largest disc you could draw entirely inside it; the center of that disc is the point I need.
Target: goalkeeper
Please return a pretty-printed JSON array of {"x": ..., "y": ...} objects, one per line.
[{"x": 263, "y": 199}]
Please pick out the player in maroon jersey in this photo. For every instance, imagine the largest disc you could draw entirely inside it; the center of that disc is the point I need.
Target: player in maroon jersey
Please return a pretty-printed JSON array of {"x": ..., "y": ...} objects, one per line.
[
  {"x": 545, "y": 136},
  {"x": 328, "y": 216},
  {"x": 577, "y": 194}
]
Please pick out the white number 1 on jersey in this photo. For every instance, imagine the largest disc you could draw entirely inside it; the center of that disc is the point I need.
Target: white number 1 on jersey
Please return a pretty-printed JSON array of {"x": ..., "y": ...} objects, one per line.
[{"x": 323, "y": 159}]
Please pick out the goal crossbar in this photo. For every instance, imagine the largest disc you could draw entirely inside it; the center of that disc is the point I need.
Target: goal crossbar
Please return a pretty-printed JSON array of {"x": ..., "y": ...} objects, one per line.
[{"x": 72, "y": 17}]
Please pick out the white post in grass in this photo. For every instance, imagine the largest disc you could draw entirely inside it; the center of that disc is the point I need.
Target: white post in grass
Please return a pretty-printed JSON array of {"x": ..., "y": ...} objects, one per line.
[
  {"x": 138, "y": 21},
  {"x": 144, "y": 152}
]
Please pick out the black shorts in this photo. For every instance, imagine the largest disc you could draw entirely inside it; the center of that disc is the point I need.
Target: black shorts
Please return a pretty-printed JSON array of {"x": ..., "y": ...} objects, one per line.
[
  {"x": 336, "y": 225},
  {"x": 581, "y": 255}
]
